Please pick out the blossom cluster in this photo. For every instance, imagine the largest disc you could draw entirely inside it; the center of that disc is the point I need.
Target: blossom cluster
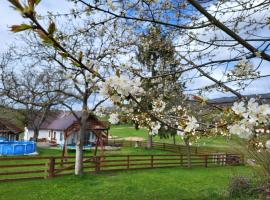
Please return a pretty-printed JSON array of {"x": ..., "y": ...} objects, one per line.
[
  {"x": 114, "y": 118},
  {"x": 187, "y": 124},
  {"x": 191, "y": 124},
  {"x": 100, "y": 111},
  {"x": 119, "y": 88},
  {"x": 242, "y": 69},
  {"x": 154, "y": 127},
  {"x": 159, "y": 106},
  {"x": 251, "y": 115}
]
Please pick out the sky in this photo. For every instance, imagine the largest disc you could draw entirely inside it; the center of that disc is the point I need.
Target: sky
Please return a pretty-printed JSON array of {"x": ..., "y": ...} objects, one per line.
[
  {"x": 8, "y": 17},
  {"x": 258, "y": 86}
]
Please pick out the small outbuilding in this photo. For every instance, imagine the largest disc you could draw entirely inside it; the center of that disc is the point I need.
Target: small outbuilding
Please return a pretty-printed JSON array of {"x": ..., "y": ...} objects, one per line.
[{"x": 8, "y": 130}]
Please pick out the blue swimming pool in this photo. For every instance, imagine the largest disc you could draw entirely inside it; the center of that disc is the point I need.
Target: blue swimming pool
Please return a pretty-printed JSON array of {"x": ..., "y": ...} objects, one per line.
[{"x": 17, "y": 147}]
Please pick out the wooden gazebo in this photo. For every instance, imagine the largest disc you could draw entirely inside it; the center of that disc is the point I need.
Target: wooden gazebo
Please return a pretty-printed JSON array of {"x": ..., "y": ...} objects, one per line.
[
  {"x": 99, "y": 128},
  {"x": 9, "y": 130}
]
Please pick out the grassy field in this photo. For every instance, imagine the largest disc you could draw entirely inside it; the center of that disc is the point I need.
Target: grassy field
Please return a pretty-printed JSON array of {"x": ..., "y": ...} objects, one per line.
[{"x": 159, "y": 184}]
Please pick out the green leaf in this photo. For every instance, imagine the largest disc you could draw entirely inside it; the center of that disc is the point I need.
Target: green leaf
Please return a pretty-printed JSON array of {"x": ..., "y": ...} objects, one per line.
[
  {"x": 75, "y": 64},
  {"x": 51, "y": 28},
  {"x": 37, "y": 2},
  {"x": 64, "y": 54},
  {"x": 28, "y": 10},
  {"x": 16, "y": 4},
  {"x": 33, "y": 3},
  {"x": 80, "y": 56},
  {"x": 19, "y": 28},
  {"x": 117, "y": 72},
  {"x": 44, "y": 37}
]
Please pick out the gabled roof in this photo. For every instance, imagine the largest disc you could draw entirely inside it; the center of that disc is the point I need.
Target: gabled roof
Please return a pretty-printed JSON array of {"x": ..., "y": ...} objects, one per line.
[
  {"x": 62, "y": 120},
  {"x": 7, "y": 126}
]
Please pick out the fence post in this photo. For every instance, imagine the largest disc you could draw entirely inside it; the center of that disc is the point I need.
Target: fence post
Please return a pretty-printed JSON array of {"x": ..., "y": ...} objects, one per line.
[
  {"x": 51, "y": 167},
  {"x": 152, "y": 161},
  {"x": 97, "y": 161},
  {"x": 242, "y": 159},
  {"x": 181, "y": 160},
  {"x": 163, "y": 145},
  {"x": 205, "y": 160},
  {"x": 128, "y": 161},
  {"x": 196, "y": 150}
]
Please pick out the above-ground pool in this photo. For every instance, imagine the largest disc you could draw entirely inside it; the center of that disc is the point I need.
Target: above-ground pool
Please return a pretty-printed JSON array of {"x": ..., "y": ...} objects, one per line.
[
  {"x": 17, "y": 147},
  {"x": 73, "y": 146}
]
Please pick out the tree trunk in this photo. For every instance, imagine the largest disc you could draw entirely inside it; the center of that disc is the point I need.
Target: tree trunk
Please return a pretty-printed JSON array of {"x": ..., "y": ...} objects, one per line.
[
  {"x": 266, "y": 194},
  {"x": 186, "y": 140},
  {"x": 80, "y": 142},
  {"x": 149, "y": 141},
  {"x": 36, "y": 133}
]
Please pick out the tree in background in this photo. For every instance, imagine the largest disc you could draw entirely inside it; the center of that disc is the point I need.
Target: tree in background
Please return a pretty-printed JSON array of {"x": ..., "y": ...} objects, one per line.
[
  {"x": 31, "y": 92},
  {"x": 157, "y": 56}
]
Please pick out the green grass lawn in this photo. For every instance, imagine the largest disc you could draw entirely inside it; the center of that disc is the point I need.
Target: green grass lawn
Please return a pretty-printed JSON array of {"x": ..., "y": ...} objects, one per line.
[
  {"x": 159, "y": 184},
  {"x": 122, "y": 151}
]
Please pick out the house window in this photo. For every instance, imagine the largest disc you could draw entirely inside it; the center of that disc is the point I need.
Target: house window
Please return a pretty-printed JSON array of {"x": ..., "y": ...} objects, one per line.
[{"x": 61, "y": 136}]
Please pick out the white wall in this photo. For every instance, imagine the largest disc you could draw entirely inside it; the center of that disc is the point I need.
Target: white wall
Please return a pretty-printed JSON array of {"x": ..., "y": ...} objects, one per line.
[
  {"x": 41, "y": 134},
  {"x": 70, "y": 140}
]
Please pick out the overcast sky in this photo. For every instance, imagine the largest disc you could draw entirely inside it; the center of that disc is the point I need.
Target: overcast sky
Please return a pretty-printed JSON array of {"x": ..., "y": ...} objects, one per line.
[{"x": 10, "y": 17}]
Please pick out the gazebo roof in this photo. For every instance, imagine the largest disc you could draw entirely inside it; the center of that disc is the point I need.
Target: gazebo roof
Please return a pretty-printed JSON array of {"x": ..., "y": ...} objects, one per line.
[
  {"x": 8, "y": 127},
  {"x": 92, "y": 124}
]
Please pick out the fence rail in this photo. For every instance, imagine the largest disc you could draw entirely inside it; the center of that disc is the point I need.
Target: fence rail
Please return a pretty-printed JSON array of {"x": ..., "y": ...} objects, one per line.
[
  {"x": 182, "y": 149},
  {"x": 19, "y": 168}
]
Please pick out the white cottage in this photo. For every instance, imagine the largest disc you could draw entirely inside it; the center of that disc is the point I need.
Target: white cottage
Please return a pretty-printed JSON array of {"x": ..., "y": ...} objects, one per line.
[{"x": 62, "y": 126}]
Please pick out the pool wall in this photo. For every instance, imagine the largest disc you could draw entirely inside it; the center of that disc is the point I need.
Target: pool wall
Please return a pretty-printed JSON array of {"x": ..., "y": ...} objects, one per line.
[{"x": 17, "y": 148}]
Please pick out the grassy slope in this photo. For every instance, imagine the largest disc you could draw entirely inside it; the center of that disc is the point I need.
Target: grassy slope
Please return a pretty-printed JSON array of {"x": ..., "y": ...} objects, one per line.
[
  {"x": 173, "y": 183},
  {"x": 129, "y": 131}
]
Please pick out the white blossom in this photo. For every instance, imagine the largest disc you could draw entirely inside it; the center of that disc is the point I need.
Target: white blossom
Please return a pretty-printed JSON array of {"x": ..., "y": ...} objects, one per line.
[
  {"x": 114, "y": 118},
  {"x": 181, "y": 133},
  {"x": 154, "y": 128},
  {"x": 159, "y": 106},
  {"x": 123, "y": 86},
  {"x": 192, "y": 124},
  {"x": 252, "y": 115},
  {"x": 241, "y": 130},
  {"x": 239, "y": 108},
  {"x": 99, "y": 112},
  {"x": 243, "y": 68},
  {"x": 267, "y": 144}
]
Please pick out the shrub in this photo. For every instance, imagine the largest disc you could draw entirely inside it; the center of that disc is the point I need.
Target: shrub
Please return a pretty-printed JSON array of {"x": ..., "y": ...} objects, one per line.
[{"x": 239, "y": 186}]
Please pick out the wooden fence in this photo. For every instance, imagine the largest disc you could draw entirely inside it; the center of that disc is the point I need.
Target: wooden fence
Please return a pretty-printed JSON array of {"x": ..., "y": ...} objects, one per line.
[
  {"x": 175, "y": 148},
  {"x": 181, "y": 149},
  {"x": 25, "y": 168}
]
